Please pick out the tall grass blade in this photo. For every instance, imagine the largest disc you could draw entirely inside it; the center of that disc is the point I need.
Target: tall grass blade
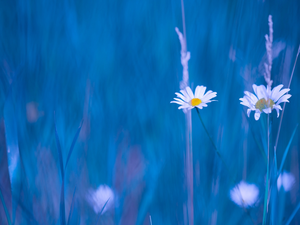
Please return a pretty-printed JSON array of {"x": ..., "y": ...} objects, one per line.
[
  {"x": 286, "y": 151},
  {"x": 59, "y": 153},
  {"x": 279, "y": 128},
  {"x": 274, "y": 193},
  {"x": 5, "y": 208},
  {"x": 263, "y": 153},
  {"x": 293, "y": 214},
  {"x": 73, "y": 144},
  {"x": 13, "y": 154},
  {"x": 101, "y": 211},
  {"x": 268, "y": 172},
  {"x": 72, "y": 207},
  {"x": 62, "y": 205},
  {"x": 62, "y": 193}
]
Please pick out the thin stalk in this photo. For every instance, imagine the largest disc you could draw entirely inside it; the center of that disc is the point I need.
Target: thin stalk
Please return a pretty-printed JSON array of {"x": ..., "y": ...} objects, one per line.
[
  {"x": 279, "y": 128},
  {"x": 268, "y": 171},
  {"x": 211, "y": 140},
  {"x": 189, "y": 168},
  {"x": 223, "y": 161},
  {"x": 188, "y": 119}
]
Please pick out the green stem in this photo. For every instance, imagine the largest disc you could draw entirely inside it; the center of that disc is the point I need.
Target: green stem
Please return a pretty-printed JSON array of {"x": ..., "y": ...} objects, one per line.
[
  {"x": 218, "y": 153},
  {"x": 267, "y": 179}
]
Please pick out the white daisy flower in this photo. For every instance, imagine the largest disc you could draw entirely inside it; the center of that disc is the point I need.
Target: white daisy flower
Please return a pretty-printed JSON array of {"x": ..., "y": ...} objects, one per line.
[
  {"x": 244, "y": 194},
  {"x": 265, "y": 99},
  {"x": 102, "y": 197},
  {"x": 285, "y": 180},
  {"x": 187, "y": 100}
]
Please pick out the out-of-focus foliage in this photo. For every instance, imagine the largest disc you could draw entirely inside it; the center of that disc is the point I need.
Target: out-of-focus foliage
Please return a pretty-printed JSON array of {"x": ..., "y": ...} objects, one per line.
[{"x": 115, "y": 65}]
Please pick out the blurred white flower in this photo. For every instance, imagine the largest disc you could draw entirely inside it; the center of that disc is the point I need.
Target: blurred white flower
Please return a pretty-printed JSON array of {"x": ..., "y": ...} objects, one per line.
[
  {"x": 188, "y": 100},
  {"x": 244, "y": 194},
  {"x": 265, "y": 99},
  {"x": 285, "y": 180},
  {"x": 98, "y": 198}
]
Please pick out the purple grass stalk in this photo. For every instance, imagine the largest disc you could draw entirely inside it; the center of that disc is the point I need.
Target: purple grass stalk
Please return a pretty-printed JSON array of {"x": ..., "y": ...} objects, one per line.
[
  {"x": 266, "y": 202},
  {"x": 267, "y": 76},
  {"x": 185, "y": 56},
  {"x": 279, "y": 128}
]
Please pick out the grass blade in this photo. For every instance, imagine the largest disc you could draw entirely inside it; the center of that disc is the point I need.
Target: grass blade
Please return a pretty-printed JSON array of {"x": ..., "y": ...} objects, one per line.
[
  {"x": 59, "y": 153},
  {"x": 13, "y": 153},
  {"x": 72, "y": 207},
  {"x": 73, "y": 144},
  {"x": 293, "y": 214},
  {"x": 101, "y": 211},
  {"x": 4, "y": 207},
  {"x": 268, "y": 172},
  {"x": 62, "y": 205},
  {"x": 274, "y": 193},
  {"x": 287, "y": 150},
  {"x": 281, "y": 116},
  {"x": 263, "y": 153}
]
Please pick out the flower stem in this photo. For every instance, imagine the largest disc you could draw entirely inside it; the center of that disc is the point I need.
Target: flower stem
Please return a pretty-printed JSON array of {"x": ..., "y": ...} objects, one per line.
[
  {"x": 220, "y": 156},
  {"x": 217, "y": 151},
  {"x": 268, "y": 171}
]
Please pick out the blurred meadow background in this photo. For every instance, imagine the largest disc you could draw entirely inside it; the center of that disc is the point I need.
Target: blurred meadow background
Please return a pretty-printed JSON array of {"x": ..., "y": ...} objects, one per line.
[{"x": 97, "y": 77}]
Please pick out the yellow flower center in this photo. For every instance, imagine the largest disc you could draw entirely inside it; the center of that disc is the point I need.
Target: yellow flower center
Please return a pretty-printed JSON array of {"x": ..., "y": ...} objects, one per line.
[
  {"x": 195, "y": 101},
  {"x": 264, "y": 104}
]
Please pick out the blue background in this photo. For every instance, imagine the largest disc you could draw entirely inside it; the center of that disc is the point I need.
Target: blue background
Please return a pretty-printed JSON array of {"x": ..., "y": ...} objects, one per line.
[{"x": 116, "y": 65}]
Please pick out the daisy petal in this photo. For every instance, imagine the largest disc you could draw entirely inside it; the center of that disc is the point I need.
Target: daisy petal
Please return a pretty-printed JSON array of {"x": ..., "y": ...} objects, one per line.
[
  {"x": 197, "y": 91},
  {"x": 277, "y": 106},
  {"x": 257, "y": 115},
  {"x": 267, "y": 110},
  {"x": 262, "y": 92},
  {"x": 179, "y": 100},
  {"x": 189, "y": 92},
  {"x": 284, "y": 98},
  {"x": 181, "y": 96},
  {"x": 185, "y": 94},
  {"x": 280, "y": 93},
  {"x": 184, "y": 106},
  {"x": 179, "y": 103},
  {"x": 275, "y": 91},
  {"x": 209, "y": 96},
  {"x": 203, "y": 105},
  {"x": 253, "y": 98},
  {"x": 246, "y": 101},
  {"x": 201, "y": 92},
  {"x": 248, "y": 112}
]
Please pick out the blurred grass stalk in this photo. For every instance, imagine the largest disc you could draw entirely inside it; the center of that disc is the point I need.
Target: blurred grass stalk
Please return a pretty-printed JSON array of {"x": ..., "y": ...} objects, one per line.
[
  {"x": 268, "y": 172},
  {"x": 185, "y": 56},
  {"x": 279, "y": 128},
  {"x": 267, "y": 76}
]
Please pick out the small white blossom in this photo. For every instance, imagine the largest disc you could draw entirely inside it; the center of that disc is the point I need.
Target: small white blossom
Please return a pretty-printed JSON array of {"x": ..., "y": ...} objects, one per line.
[
  {"x": 265, "y": 99},
  {"x": 285, "y": 180},
  {"x": 187, "y": 100},
  {"x": 244, "y": 195},
  {"x": 98, "y": 198}
]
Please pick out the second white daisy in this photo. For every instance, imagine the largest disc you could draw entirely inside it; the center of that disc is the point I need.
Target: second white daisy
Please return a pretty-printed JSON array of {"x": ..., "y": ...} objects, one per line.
[
  {"x": 244, "y": 194},
  {"x": 188, "y": 100},
  {"x": 265, "y": 99}
]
